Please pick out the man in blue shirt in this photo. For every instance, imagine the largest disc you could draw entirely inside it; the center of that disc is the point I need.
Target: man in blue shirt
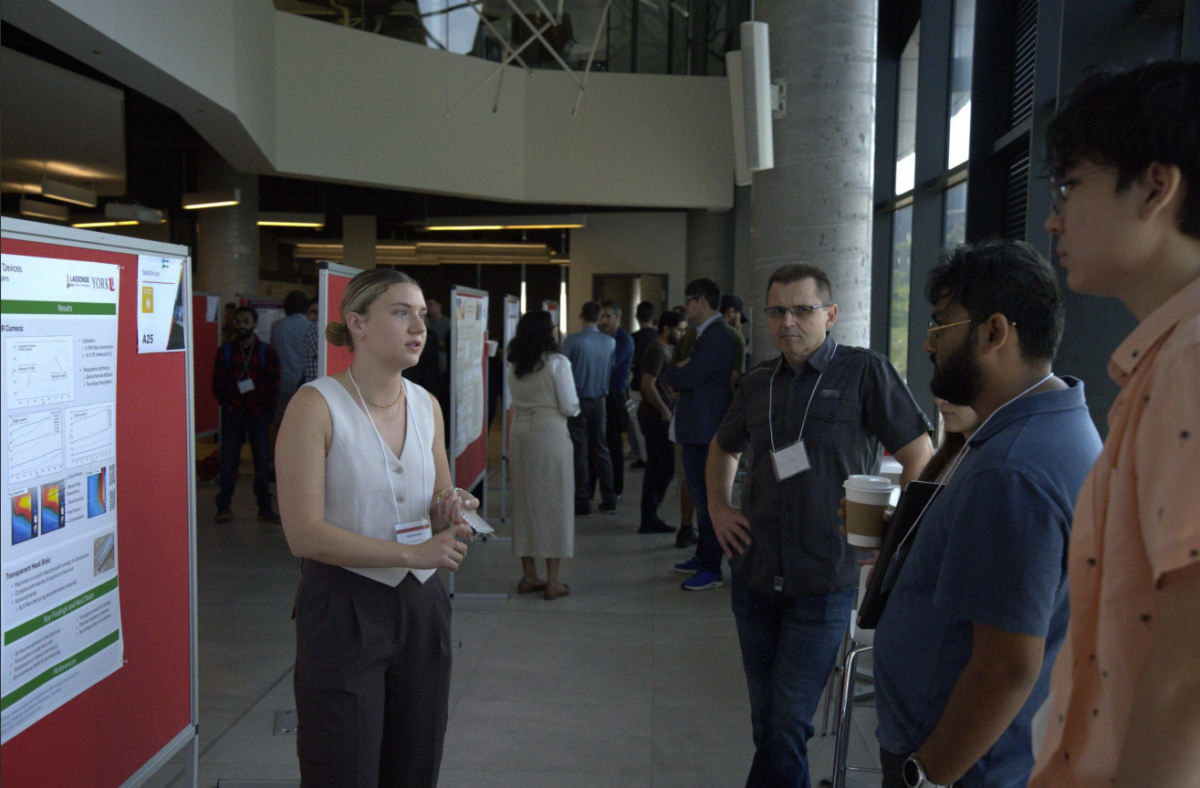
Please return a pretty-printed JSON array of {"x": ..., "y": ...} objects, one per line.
[
  {"x": 978, "y": 608},
  {"x": 591, "y": 354},
  {"x": 615, "y": 404},
  {"x": 287, "y": 337}
]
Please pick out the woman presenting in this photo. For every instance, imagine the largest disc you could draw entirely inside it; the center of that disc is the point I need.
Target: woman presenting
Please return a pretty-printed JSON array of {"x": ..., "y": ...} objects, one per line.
[
  {"x": 540, "y": 456},
  {"x": 359, "y": 459}
]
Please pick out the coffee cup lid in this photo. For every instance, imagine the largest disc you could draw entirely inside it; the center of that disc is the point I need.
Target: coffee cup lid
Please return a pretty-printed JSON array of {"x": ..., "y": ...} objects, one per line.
[{"x": 868, "y": 484}]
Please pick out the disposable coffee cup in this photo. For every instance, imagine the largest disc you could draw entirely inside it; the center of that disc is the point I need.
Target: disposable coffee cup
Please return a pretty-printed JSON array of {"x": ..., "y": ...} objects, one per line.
[{"x": 867, "y": 498}]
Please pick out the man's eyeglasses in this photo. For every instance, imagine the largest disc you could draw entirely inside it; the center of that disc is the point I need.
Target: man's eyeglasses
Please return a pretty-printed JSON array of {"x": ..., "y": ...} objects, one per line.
[
  {"x": 800, "y": 311},
  {"x": 1060, "y": 189},
  {"x": 934, "y": 328}
]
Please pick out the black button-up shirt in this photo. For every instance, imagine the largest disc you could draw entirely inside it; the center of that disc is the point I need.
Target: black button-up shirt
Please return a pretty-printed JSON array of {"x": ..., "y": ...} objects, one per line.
[{"x": 861, "y": 403}]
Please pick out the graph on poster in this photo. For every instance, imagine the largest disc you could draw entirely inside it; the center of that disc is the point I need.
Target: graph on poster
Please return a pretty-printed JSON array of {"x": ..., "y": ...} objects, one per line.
[
  {"x": 40, "y": 371},
  {"x": 35, "y": 445},
  {"x": 90, "y": 433}
]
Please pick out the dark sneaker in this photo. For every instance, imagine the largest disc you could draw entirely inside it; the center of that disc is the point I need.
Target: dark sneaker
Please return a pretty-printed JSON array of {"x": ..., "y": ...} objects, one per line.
[
  {"x": 224, "y": 515},
  {"x": 582, "y": 512},
  {"x": 688, "y": 567},
  {"x": 702, "y": 581},
  {"x": 656, "y": 527},
  {"x": 268, "y": 516},
  {"x": 608, "y": 508},
  {"x": 687, "y": 537}
]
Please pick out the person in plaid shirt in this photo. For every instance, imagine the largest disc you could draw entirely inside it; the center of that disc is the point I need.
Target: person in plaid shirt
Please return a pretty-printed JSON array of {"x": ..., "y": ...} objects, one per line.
[{"x": 246, "y": 384}]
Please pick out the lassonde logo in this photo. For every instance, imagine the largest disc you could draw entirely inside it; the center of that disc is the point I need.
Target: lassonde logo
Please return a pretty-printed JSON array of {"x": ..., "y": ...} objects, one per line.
[{"x": 94, "y": 282}]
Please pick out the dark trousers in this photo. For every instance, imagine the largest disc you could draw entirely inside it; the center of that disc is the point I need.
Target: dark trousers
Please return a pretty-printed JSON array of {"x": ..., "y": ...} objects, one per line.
[
  {"x": 660, "y": 466},
  {"x": 708, "y": 549},
  {"x": 617, "y": 424},
  {"x": 893, "y": 769},
  {"x": 236, "y": 425},
  {"x": 588, "y": 435},
  {"x": 789, "y": 647},
  {"x": 372, "y": 679}
]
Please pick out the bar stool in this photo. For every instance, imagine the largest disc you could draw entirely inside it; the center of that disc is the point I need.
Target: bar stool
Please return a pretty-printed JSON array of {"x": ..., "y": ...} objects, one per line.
[{"x": 858, "y": 642}]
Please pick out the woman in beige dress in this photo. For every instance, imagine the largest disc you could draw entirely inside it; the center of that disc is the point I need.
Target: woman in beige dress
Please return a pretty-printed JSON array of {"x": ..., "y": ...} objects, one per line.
[{"x": 540, "y": 455}]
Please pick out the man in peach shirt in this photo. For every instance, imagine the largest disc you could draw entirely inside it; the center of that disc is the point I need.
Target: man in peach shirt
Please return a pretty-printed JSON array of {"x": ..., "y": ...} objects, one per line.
[{"x": 1125, "y": 693}]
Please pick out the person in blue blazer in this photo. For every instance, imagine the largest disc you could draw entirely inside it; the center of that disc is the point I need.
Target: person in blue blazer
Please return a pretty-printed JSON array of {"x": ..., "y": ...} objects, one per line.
[{"x": 704, "y": 381}]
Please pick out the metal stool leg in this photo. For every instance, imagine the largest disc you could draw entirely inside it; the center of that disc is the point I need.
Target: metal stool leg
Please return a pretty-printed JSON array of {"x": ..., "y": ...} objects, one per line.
[
  {"x": 845, "y": 710},
  {"x": 830, "y": 684}
]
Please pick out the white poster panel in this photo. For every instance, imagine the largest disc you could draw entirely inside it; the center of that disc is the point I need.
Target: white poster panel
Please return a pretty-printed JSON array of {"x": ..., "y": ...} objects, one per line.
[
  {"x": 512, "y": 315},
  {"x": 470, "y": 409},
  {"x": 160, "y": 305},
  {"x": 59, "y": 596}
]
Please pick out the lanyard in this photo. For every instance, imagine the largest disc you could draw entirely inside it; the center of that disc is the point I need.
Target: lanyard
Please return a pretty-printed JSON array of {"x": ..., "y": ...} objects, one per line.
[
  {"x": 771, "y": 397},
  {"x": 246, "y": 354},
  {"x": 383, "y": 446},
  {"x": 948, "y": 474}
]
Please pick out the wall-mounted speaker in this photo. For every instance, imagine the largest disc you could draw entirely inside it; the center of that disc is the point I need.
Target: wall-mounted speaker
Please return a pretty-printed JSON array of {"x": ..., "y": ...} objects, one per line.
[
  {"x": 756, "y": 96},
  {"x": 733, "y": 71}
]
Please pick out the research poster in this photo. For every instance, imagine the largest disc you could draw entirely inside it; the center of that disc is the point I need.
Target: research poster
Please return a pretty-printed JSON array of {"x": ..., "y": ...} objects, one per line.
[
  {"x": 160, "y": 305},
  {"x": 470, "y": 325},
  {"x": 512, "y": 316},
  {"x": 61, "y": 626}
]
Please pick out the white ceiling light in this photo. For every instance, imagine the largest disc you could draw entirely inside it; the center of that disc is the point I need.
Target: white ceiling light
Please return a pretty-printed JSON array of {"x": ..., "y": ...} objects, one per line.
[
  {"x": 44, "y": 210},
  {"x": 218, "y": 198},
  {"x": 572, "y": 221},
  {"x": 135, "y": 213},
  {"x": 58, "y": 190},
  {"x": 315, "y": 220},
  {"x": 99, "y": 220}
]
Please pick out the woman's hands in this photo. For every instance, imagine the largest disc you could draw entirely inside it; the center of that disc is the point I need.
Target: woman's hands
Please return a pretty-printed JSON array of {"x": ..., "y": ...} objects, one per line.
[
  {"x": 453, "y": 503},
  {"x": 443, "y": 550}
]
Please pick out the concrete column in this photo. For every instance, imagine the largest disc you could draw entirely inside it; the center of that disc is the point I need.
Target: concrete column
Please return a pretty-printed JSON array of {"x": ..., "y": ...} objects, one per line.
[
  {"x": 227, "y": 244},
  {"x": 358, "y": 241},
  {"x": 815, "y": 206},
  {"x": 710, "y": 247}
]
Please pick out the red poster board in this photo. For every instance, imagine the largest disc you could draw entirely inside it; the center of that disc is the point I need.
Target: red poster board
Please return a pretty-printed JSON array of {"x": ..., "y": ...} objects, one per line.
[
  {"x": 206, "y": 341},
  {"x": 331, "y": 286},
  {"x": 116, "y": 728}
]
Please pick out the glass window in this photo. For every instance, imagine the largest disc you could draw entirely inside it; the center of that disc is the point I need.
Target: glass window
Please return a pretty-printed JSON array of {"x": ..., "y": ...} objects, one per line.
[
  {"x": 906, "y": 115},
  {"x": 960, "y": 82},
  {"x": 956, "y": 215},
  {"x": 902, "y": 222}
]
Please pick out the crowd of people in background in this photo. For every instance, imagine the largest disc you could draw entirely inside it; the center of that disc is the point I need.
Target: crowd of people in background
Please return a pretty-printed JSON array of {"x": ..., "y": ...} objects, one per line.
[{"x": 1047, "y": 565}]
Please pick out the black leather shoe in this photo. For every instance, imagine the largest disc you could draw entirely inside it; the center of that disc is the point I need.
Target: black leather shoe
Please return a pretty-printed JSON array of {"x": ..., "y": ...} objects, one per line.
[
  {"x": 656, "y": 527},
  {"x": 687, "y": 537}
]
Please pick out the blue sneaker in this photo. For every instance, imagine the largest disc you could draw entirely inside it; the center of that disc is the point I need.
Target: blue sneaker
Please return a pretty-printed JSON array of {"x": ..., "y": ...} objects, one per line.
[
  {"x": 702, "y": 581},
  {"x": 688, "y": 567}
]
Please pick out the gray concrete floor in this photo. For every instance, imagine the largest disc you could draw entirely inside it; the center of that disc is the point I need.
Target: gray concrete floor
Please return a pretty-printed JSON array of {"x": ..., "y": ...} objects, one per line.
[{"x": 629, "y": 681}]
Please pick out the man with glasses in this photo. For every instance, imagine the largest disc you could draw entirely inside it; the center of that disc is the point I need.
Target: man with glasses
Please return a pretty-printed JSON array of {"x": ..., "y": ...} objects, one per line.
[
  {"x": 978, "y": 606},
  {"x": 1125, "y": 155},
  {"x": 812, "y": 417}
]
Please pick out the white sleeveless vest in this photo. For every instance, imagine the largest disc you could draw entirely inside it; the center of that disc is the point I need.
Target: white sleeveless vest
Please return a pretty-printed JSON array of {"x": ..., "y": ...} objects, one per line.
[{"x": 358, "y": 496}]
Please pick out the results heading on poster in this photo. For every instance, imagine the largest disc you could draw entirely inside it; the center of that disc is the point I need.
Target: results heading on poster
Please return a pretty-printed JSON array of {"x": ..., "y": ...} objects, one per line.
[{"x": 61, "y": 626}]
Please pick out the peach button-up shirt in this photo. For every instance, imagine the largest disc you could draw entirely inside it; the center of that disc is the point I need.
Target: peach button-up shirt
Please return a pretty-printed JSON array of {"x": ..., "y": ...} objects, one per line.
[{"x": 1138, "y": 517}]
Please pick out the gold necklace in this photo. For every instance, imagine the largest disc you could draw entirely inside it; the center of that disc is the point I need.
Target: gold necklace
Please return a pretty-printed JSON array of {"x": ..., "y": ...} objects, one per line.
[{"x": 399, "y": 394}]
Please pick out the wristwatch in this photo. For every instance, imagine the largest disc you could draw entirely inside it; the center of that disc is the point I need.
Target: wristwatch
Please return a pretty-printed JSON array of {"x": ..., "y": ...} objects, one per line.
[{"x": 914, "y": 774}]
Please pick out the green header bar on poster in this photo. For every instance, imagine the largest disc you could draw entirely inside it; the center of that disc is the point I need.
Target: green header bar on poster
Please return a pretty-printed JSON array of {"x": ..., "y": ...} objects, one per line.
[
  {"x": 14, "y": 307},
  {"x": 50, "y": 616}
]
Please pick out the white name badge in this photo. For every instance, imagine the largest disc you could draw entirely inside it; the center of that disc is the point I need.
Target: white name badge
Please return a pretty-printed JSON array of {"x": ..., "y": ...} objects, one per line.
[
  {"x": 790, "y": 461},
  {"x": 416, "y": 532},
  {"x": 246, "y": 386}
]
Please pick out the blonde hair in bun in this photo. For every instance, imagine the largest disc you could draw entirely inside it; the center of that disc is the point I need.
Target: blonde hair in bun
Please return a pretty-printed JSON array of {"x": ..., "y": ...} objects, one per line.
[{"x": 360, "y": 294}]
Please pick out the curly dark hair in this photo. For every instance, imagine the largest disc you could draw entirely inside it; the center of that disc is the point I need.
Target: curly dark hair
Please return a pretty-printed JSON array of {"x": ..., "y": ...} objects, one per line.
[
  {"x": 1010, "y": 278},
  {"x": 534, "y": 339},
  {"x": 1132, "y": 119}
]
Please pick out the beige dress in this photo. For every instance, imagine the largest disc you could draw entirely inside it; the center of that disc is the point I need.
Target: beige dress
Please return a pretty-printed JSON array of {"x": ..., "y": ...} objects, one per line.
[{"x": 541, "y": 460}]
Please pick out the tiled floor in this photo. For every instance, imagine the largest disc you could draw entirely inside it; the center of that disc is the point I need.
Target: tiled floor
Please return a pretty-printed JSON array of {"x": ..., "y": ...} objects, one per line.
[{"x": 629, "y": 681}]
